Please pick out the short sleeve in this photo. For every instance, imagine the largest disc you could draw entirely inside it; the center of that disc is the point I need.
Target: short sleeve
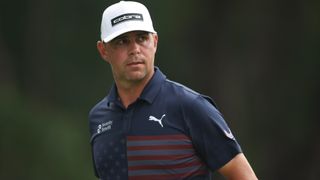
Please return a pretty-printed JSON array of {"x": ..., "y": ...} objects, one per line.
[{"x": 211, "y": 136}]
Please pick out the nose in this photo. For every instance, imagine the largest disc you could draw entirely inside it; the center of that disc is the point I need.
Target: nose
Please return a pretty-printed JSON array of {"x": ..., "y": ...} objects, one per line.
[{"x": 134, "y": 47}]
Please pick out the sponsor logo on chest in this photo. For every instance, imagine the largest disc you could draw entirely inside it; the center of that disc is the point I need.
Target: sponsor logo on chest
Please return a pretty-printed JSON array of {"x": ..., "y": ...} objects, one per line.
[{"x": 104, "y": 127}]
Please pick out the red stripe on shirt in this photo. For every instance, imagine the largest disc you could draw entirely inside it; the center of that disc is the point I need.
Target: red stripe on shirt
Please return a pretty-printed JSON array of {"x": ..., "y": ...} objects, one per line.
[
  {"x": 168, "y": 176},
  {"x": 160, "y": 147},
  {"x": 159, "y": 157},
  {"x": 162, "y": 137},
  {"x": 173, "y": 166}
]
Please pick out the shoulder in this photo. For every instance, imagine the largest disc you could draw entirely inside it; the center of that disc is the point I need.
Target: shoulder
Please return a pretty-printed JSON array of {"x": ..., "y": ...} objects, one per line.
[
  {"x": 197, "y": 109},
  {"x": 102, "y": 104},
  {"x": 98, "y": 112},
  {"x": 186, "y": 95}
]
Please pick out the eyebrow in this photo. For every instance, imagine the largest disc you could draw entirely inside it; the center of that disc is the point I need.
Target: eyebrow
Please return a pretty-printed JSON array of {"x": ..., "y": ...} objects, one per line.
[
  {"x": 142, "y": 33},
  {"x": 119, "y": 37}
]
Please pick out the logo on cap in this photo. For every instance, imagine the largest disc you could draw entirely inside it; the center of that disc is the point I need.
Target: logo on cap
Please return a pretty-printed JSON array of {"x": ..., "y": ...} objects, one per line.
[{"x": 126, "y": 17}]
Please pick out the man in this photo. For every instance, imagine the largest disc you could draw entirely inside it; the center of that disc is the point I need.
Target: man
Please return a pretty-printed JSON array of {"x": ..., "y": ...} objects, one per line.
[{"x": 149, "y": 127}]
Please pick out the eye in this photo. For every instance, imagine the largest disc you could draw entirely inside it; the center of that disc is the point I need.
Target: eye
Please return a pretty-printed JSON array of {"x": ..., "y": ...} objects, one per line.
[
  {"x": 143, "y": 37},
  {"x": 120, "y": 41}
]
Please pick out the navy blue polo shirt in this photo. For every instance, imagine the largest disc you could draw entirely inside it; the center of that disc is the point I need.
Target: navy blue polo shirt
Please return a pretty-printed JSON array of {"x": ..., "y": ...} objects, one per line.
[{"x": 169, "y": 132}]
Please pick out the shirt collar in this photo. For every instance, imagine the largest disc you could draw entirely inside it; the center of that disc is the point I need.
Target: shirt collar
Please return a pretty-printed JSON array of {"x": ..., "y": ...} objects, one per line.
[
  {"x": 113, "y": 94},
  {"x": 153, "y": 87},
  {"x": 149, "y": 92}
]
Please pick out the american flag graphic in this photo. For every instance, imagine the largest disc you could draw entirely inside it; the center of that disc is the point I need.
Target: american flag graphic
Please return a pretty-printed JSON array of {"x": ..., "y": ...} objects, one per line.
[{"x": 162, "y": 157}]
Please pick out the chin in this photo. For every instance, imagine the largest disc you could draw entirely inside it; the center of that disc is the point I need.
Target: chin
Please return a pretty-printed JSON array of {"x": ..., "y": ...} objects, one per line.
[{"x": 136, "y": 76}]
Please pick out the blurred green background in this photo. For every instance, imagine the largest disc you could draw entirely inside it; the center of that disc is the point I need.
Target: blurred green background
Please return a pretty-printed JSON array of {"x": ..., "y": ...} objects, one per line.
[{"x": 259, "y": 60}]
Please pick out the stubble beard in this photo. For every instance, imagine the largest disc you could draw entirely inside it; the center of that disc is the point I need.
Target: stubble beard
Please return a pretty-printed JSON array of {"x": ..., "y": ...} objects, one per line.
[
  {"x": 130, "y": 78},
  {"x": 136, "y": 75}
]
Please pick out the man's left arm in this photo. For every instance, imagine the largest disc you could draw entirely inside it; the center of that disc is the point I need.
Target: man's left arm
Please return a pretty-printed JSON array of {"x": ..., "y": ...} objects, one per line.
[{"x": 238, "y": 168}]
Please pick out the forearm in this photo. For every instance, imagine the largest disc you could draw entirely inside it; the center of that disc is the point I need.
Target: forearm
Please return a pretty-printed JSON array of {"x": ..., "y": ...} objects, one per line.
[{"x": 238, "y": 169}]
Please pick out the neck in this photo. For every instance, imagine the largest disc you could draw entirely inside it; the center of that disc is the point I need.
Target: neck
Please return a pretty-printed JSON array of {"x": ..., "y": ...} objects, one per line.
[
  {"x": 129, "y": 92},
  {"x": 129, "y": 95}
]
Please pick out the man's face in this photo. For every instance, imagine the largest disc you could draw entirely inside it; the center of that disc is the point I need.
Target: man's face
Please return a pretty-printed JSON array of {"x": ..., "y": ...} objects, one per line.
[{"x": 131, "y": 56}]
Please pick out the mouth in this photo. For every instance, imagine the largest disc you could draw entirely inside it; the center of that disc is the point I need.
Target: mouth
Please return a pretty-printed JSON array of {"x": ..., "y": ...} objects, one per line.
[{"x": 135, "y": 63}]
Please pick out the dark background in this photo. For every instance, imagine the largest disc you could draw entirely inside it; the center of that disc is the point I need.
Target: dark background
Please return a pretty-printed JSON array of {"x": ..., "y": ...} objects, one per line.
[{"x": 258, "y": 59}]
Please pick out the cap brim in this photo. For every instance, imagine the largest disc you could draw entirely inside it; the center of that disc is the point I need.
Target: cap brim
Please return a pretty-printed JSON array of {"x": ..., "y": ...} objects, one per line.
[{"x": 120, "y": 32}]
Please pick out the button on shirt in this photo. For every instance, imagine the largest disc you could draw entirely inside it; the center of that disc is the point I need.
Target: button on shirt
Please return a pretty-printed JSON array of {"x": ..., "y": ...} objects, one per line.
[{"x": 169, "y": 132}]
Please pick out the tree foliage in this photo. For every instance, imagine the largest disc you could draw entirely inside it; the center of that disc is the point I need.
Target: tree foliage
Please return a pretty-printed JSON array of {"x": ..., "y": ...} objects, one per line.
[{"x": 259, "y": 60}]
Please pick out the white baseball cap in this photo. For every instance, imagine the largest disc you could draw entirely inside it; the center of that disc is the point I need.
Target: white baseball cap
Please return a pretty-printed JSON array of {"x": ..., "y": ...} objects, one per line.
[{"x": 125, "y": 16}]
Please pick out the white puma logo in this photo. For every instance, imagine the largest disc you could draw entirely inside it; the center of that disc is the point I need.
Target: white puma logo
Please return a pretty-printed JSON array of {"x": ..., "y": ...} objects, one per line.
[
  {"x": 152, "y": 118},
  {"x": 229, "y": 134}
]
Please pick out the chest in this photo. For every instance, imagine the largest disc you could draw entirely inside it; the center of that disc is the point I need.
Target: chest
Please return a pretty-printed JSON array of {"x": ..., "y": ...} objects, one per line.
[{"x": 143, "y": 141}]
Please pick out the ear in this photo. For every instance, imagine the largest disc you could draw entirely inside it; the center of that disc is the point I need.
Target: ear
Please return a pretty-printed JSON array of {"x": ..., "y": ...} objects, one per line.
[
  {"x": 155, "y": 41},
  {"x": 102, "y": 50}
]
